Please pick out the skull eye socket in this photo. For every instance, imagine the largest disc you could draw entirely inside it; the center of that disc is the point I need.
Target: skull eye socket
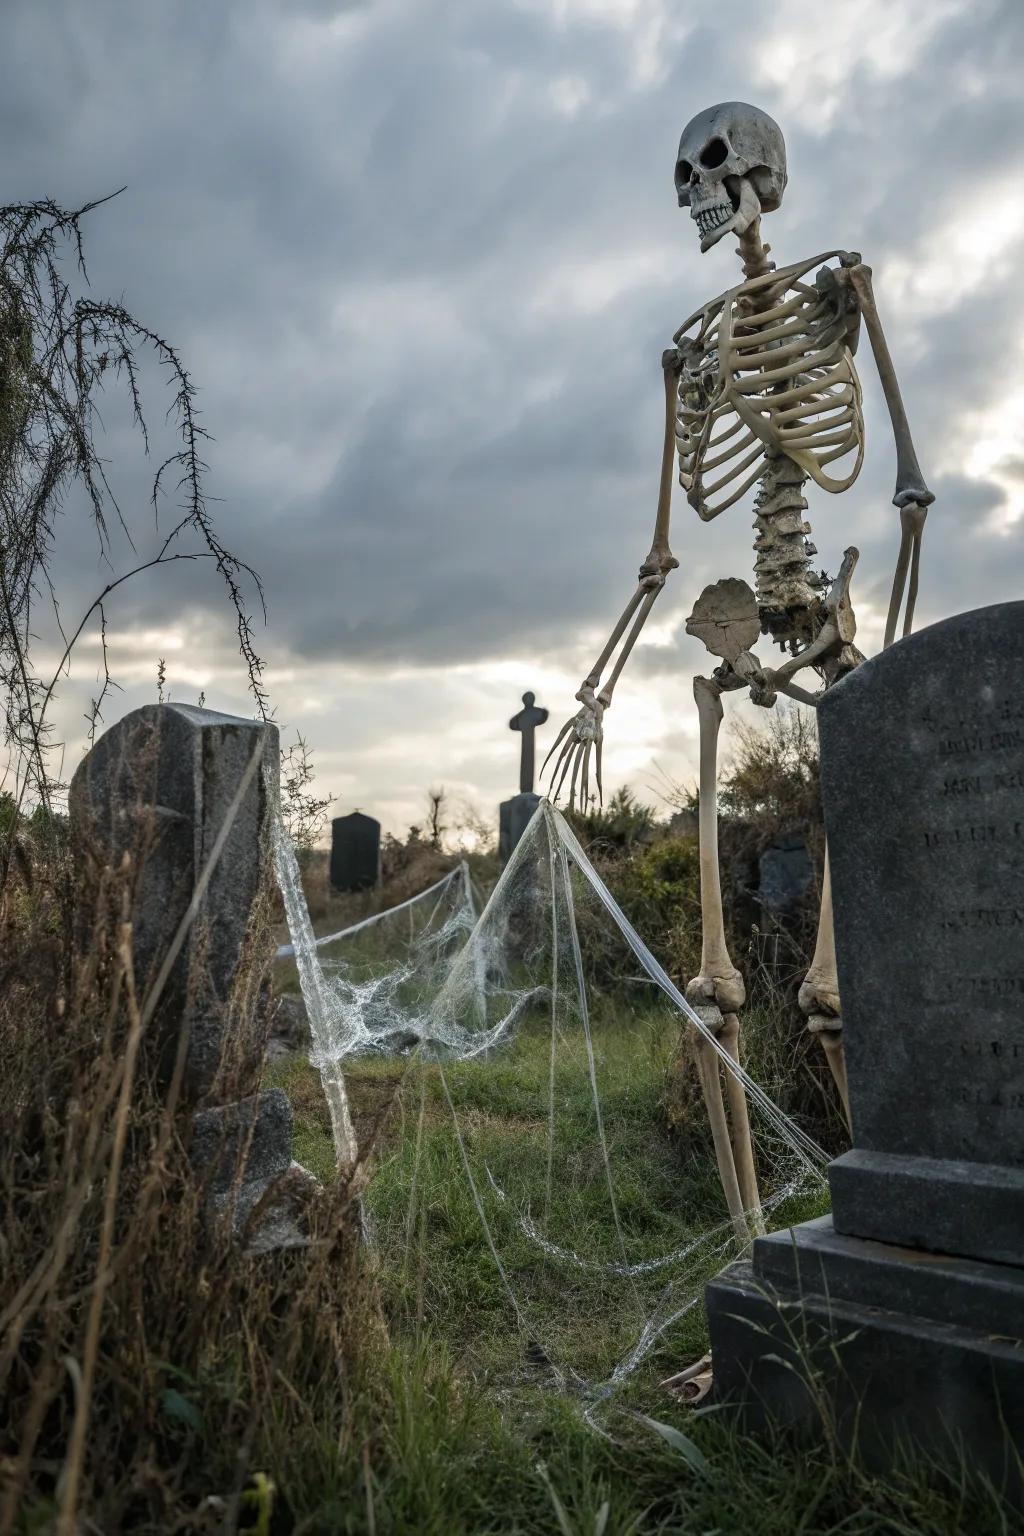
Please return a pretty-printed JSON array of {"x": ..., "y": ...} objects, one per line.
[
  {"x": 684, "y": 170},
  {"x": 713, "y": 153}
]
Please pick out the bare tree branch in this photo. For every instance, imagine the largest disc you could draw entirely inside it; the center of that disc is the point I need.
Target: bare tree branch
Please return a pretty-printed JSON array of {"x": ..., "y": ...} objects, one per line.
[{"x": 58, "y": 351}]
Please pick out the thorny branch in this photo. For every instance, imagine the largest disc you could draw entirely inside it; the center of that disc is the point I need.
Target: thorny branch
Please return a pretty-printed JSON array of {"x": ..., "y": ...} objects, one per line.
[{"x": 56, "y": 348}]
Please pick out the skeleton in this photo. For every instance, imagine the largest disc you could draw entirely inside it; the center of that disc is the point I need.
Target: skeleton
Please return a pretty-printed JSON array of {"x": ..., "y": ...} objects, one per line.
[{"x": 760, "y": 390}]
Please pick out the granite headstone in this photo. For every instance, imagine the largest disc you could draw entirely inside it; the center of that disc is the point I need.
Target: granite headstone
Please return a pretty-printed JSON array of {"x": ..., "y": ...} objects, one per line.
[
  {"x": 908, "y": 1301},
  {"x": 161, "y": 781},
  {"x": 161, "y": 785},
  {"x": 785, "y": 874},
  {"x": 355, "y": 852},
  {"x": 923, "y": 784}
]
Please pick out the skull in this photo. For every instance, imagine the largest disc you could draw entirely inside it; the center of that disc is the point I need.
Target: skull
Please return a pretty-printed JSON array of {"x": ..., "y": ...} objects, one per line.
[{"x": 731, "y": 167}]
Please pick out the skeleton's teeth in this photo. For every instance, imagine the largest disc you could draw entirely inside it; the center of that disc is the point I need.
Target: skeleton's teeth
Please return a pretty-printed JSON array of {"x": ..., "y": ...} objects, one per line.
[{"x": 709, "y": 219}]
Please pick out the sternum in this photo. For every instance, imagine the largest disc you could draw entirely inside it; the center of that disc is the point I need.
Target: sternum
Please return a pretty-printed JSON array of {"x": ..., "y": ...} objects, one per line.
[{"x": 788, "y": 590}]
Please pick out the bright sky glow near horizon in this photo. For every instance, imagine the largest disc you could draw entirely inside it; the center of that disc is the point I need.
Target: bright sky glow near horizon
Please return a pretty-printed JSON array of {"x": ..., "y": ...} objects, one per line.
[{"x": 422, "y": 257}]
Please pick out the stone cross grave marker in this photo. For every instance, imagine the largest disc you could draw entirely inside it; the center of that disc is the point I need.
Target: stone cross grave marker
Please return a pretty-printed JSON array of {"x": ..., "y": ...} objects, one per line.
[
  {"x": 515, "y": 815},
  {"x": 355, "y": 852},
  {"x": 910, "y": 1297},
  {"x": 527, "y": 721}
]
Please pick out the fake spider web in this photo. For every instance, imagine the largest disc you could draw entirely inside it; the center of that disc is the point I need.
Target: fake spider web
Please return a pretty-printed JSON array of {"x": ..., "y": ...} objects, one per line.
[{"x": 437, "y": 983}]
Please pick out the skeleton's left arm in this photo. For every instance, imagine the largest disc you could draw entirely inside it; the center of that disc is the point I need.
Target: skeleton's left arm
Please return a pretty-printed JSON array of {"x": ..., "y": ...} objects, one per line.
[{"x": 912, "y": 496}]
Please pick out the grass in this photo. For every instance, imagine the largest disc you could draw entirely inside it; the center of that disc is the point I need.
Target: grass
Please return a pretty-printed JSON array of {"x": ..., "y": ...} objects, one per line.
[
  {"x": 436, "y": 1268},
  {"x": 480, "y": 1424}
]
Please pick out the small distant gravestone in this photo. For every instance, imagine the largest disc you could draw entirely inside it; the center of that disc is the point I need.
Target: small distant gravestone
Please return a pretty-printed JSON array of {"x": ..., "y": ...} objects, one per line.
[
  {"x": 355, "y": 852},
  {"x": 161, "y": 785},
  {"x": 909, "y": 1299},
  {"x": 785, "y": 874},
  {"x": 516, "y": 814}
]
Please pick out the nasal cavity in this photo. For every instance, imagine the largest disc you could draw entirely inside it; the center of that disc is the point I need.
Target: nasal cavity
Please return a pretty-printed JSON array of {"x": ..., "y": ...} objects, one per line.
[{"x": 713, "y": 153}]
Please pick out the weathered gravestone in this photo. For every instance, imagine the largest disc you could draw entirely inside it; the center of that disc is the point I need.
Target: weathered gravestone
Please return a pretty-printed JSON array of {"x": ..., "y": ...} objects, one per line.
[
  {"x": 909, "y": 1299},
  {"x": 515, "y": 816},
  {"x": 355, "y": 852},
  {"x": 785, "y": 874},
  {"x": 182, "y": 790}
]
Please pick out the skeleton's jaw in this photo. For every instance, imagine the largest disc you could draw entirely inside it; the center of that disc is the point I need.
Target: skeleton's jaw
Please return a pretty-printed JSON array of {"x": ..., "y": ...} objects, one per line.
[{"x": 727, "y": 213}]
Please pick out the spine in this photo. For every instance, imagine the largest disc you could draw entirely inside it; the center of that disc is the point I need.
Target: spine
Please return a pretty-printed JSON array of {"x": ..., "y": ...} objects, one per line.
[{"x": 788, "y": 590}]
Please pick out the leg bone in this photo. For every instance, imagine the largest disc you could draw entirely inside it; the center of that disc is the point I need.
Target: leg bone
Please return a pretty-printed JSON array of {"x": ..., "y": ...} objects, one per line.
[
  {"x": 718, "y": 991},
  {"x": 819, "y": 994}
]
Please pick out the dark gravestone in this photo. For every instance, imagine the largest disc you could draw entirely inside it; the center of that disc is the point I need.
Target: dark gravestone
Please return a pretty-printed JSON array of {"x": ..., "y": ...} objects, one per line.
[
  {"x": 239, "y": 1152},
  {"x": 521, "y": 811},
  {"x": 163, "y": 780},
  {"x": 923, "y": 783},
  {"x": 785, "y": 874},
  {"x": 504, "y": 832},
  {"x": 910, "y": 1298},
  {"x": 514, "y": 816},
  {"x": 355, "y": 852},
  {"x": 162, "y": 785}
]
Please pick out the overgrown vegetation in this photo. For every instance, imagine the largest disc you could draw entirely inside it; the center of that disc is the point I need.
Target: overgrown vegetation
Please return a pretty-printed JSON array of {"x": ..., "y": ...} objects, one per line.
[
  {"x": 149, "y": 1370},
  {"x": 303, "y": 809},
  {"x": 156, "y": 1380}
]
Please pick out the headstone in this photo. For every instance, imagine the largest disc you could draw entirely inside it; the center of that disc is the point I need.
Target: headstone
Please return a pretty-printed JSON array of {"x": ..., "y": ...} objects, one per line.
[
  {"x": 924, "y": 805},
  {"x": 504, "y": 832},
  {"x": 909, "y": 1299},
  {"x": 527, "y": 721},
  {"x": 355, "y": 852},
  {"x": 238, "y": 1151},
  {"x": 289, "y": 1033},
  {"x": 521, "y": 811},
  {"x": 183, "y": 790},
  {"x": 164, "y": 778},
  {"x": 514, "y": 816},
  {"x": 785, "y": 874}
]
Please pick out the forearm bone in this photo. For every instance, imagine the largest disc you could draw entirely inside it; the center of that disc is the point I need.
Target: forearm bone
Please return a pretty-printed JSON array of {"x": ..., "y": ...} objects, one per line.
[
  {"x": 912, "y": 496},
  {"x": 655, "y": 568}
]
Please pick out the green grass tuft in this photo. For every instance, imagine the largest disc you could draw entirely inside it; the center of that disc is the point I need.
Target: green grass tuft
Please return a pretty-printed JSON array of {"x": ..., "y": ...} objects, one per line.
[{"x": 472, "y": 1431}]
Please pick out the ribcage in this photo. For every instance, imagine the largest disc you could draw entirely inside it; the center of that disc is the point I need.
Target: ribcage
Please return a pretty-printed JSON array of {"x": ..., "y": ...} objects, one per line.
[{"x": 769, "y": 368}]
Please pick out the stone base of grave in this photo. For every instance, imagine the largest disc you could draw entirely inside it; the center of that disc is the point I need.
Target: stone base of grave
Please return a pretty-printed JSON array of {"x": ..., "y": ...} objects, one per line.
[
  {"x": 243, "y": 1154},
  {"x": 899, "y": 1349},
  {"x": 515, "y": 816},
  {"x": 928, "y": 1202}
]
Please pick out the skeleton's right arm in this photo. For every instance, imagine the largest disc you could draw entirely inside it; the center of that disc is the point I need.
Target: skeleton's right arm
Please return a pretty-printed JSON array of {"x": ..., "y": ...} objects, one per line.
[
  {"x": 660, "y": 560},
  {"x": 582, "y": 735}
]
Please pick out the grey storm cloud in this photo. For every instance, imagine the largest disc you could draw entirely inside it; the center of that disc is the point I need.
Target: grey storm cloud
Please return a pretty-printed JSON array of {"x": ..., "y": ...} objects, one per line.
[{"x": 422, "y": 257}]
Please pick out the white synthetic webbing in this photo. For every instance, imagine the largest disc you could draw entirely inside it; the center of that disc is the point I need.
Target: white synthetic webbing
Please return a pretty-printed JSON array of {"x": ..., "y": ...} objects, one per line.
[
  {"x": 805, "y": 1147},
  {"x": 461, "y": 872},
  {"x": 458, "y": 987}
]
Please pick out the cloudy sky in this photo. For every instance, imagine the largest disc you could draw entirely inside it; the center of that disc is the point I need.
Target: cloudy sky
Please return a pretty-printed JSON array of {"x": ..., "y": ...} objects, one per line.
[{"x": 422, "y": 258}]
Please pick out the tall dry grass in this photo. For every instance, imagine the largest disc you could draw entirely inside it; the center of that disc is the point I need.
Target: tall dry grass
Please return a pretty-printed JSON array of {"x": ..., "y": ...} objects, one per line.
[{"x": 151, "y": 1370}]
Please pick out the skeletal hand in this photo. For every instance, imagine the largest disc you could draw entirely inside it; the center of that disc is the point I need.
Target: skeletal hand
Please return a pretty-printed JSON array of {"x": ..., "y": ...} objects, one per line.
[{"x": 579, "y": 738}]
